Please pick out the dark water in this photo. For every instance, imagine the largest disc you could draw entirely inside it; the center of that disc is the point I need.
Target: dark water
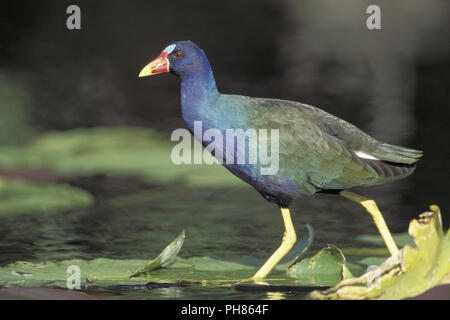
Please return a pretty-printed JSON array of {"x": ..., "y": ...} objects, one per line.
[{"x": 393, "y": 84}]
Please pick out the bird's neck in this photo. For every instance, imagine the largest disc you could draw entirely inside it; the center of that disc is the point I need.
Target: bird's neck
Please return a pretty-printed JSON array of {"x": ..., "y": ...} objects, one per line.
[{"x": 197, "y": 90}]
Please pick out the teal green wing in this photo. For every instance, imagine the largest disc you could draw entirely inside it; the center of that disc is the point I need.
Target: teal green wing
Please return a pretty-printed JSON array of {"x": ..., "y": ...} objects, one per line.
[
  {"x": 313, "y": 153},
  {"x": 357, "y": 140}
]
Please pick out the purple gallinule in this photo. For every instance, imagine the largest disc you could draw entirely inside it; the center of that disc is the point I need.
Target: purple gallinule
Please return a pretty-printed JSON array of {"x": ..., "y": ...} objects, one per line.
[{"x": 318, "y": 152}]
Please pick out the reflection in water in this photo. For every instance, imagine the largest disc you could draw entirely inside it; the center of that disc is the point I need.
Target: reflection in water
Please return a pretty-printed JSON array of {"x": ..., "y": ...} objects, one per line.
[
  {"x": 170, "y": 293},
  {"x": 276, "y": 296}
]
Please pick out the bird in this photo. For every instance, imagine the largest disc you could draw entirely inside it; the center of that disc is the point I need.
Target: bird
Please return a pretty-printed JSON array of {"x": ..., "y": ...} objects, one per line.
[{"x": 317, "y": 151}]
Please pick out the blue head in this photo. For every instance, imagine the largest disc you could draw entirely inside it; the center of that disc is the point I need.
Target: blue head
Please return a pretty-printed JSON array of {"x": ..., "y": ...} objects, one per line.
[
  {"x": 184, "y": 59},
  {"x": 188, "y": 62}
]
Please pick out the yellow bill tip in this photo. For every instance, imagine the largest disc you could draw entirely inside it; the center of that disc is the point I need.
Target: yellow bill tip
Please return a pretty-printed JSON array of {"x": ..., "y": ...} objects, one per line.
[
  {"x": 159, "y": 65},
  {"x": 145, "y": 72}
]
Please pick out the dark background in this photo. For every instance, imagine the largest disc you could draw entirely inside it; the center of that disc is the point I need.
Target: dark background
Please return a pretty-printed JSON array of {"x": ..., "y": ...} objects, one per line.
[{"x": 393, "y": 83}]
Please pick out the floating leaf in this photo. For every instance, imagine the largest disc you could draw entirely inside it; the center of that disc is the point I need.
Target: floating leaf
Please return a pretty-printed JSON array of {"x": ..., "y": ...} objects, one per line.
[
  {"x": 106, "y": 272},
  {"x": 327, "y": 267},
  {"x": 411, "y": 272},
  {"x": 164, "y": 258},
  {"x": 55, "y": 273}
]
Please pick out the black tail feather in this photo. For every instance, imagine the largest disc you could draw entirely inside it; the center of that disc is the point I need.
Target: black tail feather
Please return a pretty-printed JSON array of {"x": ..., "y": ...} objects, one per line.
[{"x": 390, "y": 170}]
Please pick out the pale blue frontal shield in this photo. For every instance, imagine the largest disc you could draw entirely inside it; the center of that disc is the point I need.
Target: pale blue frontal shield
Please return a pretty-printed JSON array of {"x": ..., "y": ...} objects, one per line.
[{"x": 169, "y": 49}]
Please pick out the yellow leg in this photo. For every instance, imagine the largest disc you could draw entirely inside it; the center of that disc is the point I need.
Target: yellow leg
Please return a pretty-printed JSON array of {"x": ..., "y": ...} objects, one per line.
[
  {"x": 288, "y": 242},
  {"x": 372, "y": 208}
]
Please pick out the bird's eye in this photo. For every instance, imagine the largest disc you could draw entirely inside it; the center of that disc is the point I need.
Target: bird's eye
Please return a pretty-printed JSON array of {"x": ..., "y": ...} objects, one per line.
[{"x": 178, "y": 54}]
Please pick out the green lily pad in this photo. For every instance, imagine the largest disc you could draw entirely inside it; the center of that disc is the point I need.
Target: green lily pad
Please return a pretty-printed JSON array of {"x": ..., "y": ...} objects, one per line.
[
  {"x": 105, "y": 271},
  {"x": 165, "y": 268},
  {"x": 17, "y": 196},
  {"x": 164, "y": 258},
  {"x": 414, "y": 270},
  {"x": 55, "y": 273},
  {"x": 327, "y": 267}
]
